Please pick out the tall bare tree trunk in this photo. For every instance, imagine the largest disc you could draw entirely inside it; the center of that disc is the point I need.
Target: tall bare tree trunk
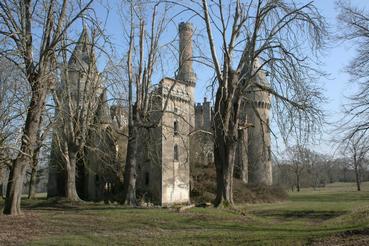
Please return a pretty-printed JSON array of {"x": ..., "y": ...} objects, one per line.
[
  {"x": 32, "y": 184},
  {"x": 33, "y": 179},
  {"x": 130, "y": 175},
  {"x": 71, "y": 165},
  {"x": 24, "y": 158},
  {"x": 1, "y": 183},
  {"x": 357, "y": 177},
  {"x": 298, "y": 181},
  {"x": 224, "y": 149},
  {"x": 224, "y": 163}
]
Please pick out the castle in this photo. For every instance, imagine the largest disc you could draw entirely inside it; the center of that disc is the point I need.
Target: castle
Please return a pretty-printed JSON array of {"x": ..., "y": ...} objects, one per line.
[
  {"x": 166, "y": 151},
  {"x": 82, "y": 94}
]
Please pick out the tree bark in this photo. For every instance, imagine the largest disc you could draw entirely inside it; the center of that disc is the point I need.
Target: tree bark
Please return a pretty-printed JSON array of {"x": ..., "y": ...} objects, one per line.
[
  {"x": 226, "y": 136},
  {"x": 24, "y": 158},
  {"x": 357, "y": 178},
  {"x": 1, "y": 183},
  {"x": 32, "y": 184},
  {"x": 224, "y": 163},
  {"x": 130, "y": 175},
  {"x": 297, "y": 181},
  {"x": 71, "y": 189},
  {"x": 33, "y": 179}
]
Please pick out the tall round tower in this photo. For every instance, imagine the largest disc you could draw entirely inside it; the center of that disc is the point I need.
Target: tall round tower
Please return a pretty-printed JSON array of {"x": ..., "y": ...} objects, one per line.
[
  {"x": 185, "y": 71},
  {"x": 259, "y": 150}
]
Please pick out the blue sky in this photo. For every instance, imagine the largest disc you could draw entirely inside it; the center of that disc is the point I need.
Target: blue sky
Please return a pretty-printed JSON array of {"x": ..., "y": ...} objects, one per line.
[{"x": 335, "y": 58}]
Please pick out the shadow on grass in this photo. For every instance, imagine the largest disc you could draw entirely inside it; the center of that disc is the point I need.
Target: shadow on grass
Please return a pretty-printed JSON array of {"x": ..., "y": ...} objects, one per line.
[
  {"x": 301, "y": 214},
  {"x": 59, "y": 204}
]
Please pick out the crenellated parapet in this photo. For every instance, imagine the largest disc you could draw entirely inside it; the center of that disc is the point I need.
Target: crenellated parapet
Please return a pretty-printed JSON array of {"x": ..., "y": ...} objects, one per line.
[{"x": 203, "y": 115}]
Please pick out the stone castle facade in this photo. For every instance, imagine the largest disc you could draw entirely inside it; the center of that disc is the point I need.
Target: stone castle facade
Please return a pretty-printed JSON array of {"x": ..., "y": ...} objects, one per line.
[
  {"x": 167, "y": 165},
  {"x": 183, "y": 137},
  {"x": 99, "y": 165}
]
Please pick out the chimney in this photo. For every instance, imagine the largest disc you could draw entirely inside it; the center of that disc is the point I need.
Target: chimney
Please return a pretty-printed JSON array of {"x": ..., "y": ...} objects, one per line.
[{"x": 185, "y": 71}]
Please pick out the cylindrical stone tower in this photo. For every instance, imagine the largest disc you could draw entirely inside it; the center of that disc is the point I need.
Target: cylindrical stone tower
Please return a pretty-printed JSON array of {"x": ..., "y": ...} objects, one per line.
[
  {"x": 259, "y": 150},
  {"x": 185, "y": 71}
]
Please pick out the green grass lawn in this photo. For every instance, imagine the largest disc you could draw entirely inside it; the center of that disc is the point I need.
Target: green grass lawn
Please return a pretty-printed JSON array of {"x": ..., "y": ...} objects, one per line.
[{"x": 308, "y": 217}]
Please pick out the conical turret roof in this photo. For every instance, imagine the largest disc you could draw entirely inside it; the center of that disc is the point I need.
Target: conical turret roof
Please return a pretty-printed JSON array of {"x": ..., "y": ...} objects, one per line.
[{"x": 83, "y": 54}]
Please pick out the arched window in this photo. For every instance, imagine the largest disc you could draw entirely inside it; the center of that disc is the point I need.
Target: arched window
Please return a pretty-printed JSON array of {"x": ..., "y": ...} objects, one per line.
[
  {"x": 176, "y": 154},
  {"x": 175, "y": 127}
]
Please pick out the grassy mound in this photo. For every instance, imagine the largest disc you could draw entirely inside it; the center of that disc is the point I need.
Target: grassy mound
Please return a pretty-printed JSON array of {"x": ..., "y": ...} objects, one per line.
[{"x": 203, "y": 189}]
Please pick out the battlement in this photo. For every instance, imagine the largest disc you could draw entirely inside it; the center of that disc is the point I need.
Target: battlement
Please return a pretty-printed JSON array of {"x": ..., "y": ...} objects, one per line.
[{"x": 203, "y": 115}]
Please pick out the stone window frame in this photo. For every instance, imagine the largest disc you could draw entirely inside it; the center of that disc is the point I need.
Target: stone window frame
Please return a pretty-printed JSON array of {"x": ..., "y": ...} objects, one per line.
[
  {"x": 175, "y": 152},
  {"x": 176, "y": 127}
]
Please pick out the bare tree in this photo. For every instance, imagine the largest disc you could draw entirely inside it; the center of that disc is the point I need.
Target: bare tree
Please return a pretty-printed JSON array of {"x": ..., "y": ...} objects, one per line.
[
  {"x": 140, "y": 66},
  {"x": 300, "y": 160},
  {"x": 316, "y": 169},
  {"x": 354, "y": 27},
  {"x": 357, "y": 150},
  {"x": 76, "y": 99},
  {"x": 14, "y": 99},
  {"x": 42, "y": 134},
  {"x": 246, "y": 38},
  {"x": 34, "y": 53}
]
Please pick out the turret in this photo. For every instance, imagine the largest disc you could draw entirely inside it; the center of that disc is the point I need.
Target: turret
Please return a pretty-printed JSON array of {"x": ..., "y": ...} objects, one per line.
[
  {"x": 82, "y": 70},
  {"x": 207, "y": 114},
  {"x": 185, "y": 70},
  {"x": 259, "y": 144},
  {"x": 83, "y": 57}
]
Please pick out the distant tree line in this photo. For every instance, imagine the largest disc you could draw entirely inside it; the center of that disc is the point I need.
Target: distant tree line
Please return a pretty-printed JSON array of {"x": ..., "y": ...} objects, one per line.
[{"x": 313, "y": 170}]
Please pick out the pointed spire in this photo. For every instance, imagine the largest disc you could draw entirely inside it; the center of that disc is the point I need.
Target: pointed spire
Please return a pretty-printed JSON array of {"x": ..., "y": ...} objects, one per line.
[
  {"x": 83, "y": 53},
  {"x": 84, "y": 38}
]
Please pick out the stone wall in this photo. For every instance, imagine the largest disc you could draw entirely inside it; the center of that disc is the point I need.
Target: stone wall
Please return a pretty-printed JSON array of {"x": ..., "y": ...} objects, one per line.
[{"x": 163, "y": 176}]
